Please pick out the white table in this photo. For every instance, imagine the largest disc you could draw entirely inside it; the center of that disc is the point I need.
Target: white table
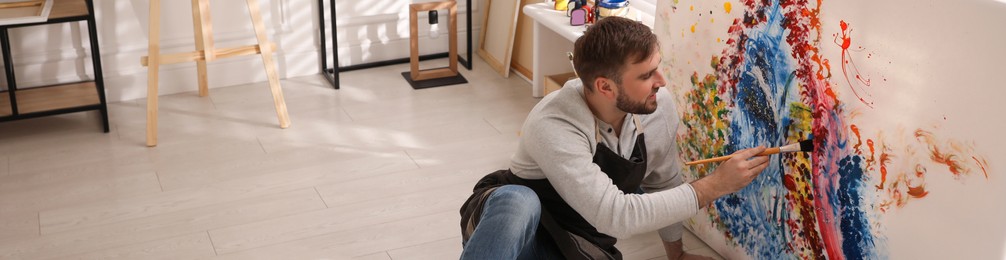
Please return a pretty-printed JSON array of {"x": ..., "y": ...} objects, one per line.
[{"x": 553, "y": 38}]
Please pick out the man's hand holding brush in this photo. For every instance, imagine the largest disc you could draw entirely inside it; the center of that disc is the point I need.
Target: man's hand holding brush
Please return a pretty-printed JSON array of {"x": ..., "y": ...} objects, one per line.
[{"x": 731, "y": 176}]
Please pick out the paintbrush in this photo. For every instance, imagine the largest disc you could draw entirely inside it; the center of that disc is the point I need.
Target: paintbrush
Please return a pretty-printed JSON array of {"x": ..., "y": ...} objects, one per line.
[{"x": 802, "y": 146}]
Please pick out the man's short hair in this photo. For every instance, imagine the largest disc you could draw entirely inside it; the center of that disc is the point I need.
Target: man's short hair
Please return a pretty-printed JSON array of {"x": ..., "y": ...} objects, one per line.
[{"x": 605, "y": 47}]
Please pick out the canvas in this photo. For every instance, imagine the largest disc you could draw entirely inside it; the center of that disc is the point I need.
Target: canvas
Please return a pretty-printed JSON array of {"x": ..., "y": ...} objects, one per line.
[{"x": 898, "y": 97}]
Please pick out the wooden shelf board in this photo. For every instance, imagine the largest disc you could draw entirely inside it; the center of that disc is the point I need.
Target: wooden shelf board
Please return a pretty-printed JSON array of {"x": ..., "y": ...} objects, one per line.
[
  {"x": 68, "y": 8},
  {"x": 46, "y": 98},
  {"x": 4, "y": 104}
]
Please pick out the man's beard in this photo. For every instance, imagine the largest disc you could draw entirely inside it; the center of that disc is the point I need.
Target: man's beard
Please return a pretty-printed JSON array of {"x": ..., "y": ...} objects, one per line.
[{"x": 623, "y": 103}]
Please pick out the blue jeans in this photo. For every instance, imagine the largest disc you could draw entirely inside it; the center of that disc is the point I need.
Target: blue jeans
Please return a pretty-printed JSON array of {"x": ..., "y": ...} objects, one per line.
[{"x": 508, "y": 226}]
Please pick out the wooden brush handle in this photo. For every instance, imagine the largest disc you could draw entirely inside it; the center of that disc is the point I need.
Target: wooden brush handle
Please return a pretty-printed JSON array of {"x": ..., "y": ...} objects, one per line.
[{"x": 769, "y": 151}]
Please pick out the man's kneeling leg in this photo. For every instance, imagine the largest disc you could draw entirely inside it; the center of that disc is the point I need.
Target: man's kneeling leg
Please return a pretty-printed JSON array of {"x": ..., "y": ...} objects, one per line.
[{"x": 508, "y": 224}]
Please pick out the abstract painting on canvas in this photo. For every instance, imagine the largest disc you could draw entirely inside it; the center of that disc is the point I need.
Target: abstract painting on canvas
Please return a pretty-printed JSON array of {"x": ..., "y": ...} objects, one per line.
[{"x": 901, "y": 99}]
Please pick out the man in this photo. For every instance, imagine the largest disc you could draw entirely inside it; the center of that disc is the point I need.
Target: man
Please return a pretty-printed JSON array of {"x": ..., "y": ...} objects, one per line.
[{"x": 586, "y": 150}]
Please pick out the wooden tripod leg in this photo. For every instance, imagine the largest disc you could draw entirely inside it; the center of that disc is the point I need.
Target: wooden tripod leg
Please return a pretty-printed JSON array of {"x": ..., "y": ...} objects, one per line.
[
  {"x": 153, "y": 65},
  {"x": 203, "y": 29},
  {"x": 270, "y": 66}
]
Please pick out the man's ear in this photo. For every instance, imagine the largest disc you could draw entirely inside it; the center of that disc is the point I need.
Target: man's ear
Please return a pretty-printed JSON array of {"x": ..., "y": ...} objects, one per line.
[{"x": 604, "y": 86}]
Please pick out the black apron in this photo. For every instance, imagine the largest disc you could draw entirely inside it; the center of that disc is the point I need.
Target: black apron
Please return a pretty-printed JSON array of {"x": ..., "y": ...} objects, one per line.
[{"x": 573, "y": 235}]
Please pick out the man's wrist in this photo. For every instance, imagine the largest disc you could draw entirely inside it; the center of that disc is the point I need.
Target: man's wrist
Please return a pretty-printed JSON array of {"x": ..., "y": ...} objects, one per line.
[{"x": 705, "y": 192}]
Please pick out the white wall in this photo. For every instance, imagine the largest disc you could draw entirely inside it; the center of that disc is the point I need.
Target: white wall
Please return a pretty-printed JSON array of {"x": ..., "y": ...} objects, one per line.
[
  {"x": 371, "y": 30},
  {"x": 648, "y": 6}
]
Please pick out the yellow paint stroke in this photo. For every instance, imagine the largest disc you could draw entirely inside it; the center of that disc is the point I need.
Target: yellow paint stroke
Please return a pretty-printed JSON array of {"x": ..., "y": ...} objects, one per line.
[
  {"x": 797, "y": 178},
  {"x": 727, "y": 7},
  {"x": 693, "y": 27},
  {"x": 691, "y": 8},
  {"x": 711, "y": 20},
  {"x": 706, "y": 122},
  {"x": 718, "y": 40}
]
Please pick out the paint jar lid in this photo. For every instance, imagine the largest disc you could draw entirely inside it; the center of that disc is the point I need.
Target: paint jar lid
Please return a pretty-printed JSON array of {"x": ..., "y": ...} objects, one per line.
[{"x": 612, "y": 4}]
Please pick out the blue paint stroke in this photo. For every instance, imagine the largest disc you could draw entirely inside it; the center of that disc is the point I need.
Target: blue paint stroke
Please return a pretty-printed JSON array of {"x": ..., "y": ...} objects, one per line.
[
  {"x": 857, "y": 243},
  {"x": 753, "y": 214}
]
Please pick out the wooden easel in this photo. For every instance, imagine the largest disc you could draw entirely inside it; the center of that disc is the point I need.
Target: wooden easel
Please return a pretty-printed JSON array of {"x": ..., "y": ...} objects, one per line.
[{"x": 203, "y": 28}]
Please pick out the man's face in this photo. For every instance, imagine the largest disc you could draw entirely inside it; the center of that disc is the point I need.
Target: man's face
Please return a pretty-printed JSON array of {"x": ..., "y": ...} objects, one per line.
[{"x": 640, "y": 81}]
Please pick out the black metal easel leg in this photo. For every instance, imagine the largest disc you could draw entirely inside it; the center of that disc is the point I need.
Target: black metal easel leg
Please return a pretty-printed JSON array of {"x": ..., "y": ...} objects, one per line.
[
  {"x": 467, "y": 62},
  {"x": 11, "y": 82},
  {"x": 99, "y": 81},
  {"x": 331, "y": 74}
]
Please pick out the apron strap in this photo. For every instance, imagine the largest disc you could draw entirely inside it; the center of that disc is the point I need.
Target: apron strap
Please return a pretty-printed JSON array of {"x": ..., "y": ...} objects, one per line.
[
  {"x": 639, "y": 126},
  {"x": 597, "y": 132}
]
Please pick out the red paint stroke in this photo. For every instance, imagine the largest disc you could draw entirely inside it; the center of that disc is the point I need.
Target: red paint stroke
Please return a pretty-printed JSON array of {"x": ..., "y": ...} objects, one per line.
[
  {"x": 804, "y": 37},
  {"x": 859, "y": 141},
  {"x": 917, "y": 192},
  {"x": 939, "y": 157},
  {"x": 884, "y": 159},
  {"x": 789, "y": 182},
  {"x": 847, "y": 62},
  {"x": 980, "y": 164}
]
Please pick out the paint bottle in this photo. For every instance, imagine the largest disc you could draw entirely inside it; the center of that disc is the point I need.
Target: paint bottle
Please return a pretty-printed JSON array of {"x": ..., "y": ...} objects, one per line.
[
  {"x": 561, "y": 5},
  {"x": 578, "y": 17}
]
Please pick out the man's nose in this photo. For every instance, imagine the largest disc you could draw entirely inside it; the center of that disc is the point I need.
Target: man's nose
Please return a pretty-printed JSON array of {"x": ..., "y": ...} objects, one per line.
[{"x": 661, "y": 80}]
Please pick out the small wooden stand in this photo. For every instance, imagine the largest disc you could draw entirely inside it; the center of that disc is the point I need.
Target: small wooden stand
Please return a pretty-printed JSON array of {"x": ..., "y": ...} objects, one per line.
[
  {"x": 206, "y": 52},
  {"x": 452, "y": 69}
]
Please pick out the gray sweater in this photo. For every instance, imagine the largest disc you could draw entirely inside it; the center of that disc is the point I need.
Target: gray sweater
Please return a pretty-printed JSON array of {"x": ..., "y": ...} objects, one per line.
[{"x": 558, "y": 143}]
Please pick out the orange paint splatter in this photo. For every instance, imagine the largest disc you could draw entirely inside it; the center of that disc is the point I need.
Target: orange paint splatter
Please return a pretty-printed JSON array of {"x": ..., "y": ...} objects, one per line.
[
  {"x": 917, "y": 192},
  {"x": 693, "y": 27},
  {"x": 896, "y": 196},
  {"x": 884, "y": 159},
  {"x": 727, "y": 7},
  {"x": 951, "y": 160},
  {"x": 830, "y": 93},
  {"x": 827, "y": 65},
  {"x": 980, "y": 164},
  {"x": 691, "y": 8},
  {"x": 859, "y": 141},
  {"x": 718, "y": 40},
  {"x": 869, "y": 143}
]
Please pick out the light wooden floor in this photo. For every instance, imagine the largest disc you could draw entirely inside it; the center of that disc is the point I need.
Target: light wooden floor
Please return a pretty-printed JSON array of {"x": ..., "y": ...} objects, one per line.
[{"x": 374, "y": 170}]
